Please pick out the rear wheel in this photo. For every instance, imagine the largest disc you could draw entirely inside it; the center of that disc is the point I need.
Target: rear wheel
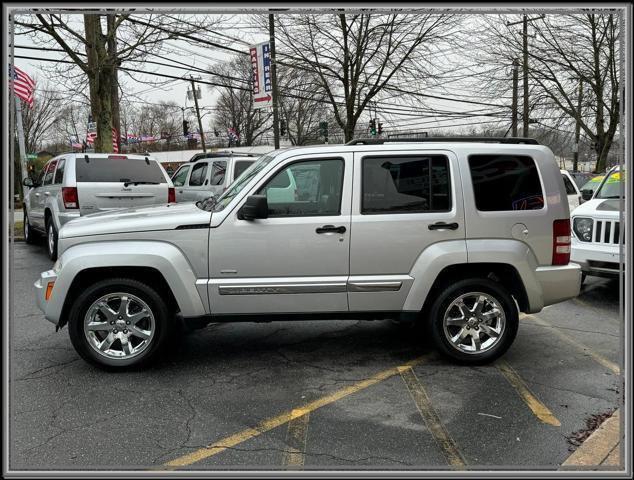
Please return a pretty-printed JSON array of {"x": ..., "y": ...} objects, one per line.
[
  {"x": 29, "y": 233},
  {"x": 51, "y": 239},
  {"x": 119, "y": 323},
  {"x": 474, "y": 321}
]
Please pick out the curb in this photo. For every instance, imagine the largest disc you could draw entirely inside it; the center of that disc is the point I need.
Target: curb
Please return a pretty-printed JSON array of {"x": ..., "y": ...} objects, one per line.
[{"x": 601, "y": 448}]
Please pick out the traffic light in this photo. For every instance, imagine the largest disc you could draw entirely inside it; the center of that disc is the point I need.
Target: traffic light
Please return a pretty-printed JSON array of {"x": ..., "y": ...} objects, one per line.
[
  {"x": 373, "y": 126},
  {"x": 282, "y": 128},
  {"x": 323, "y": 129},
  {"x": 380, "y": 128},
  {"x": 185, "y": 128}
]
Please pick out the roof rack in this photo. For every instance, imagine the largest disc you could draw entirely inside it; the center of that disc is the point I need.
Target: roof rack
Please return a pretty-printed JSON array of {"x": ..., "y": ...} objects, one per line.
[
  {"x": 221, "y": 154},
  {"x": 381, "y": 141}
]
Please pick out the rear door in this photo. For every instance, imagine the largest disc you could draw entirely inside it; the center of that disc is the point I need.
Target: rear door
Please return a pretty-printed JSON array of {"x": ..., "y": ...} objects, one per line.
[
  {"x": 404, "y": 203},
  {"x": 116, "y": 181}
]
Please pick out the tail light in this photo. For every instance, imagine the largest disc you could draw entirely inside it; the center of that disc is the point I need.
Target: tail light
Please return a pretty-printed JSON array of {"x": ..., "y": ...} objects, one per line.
[
  {"x": 70, "y": 197},
  {"x": 171, "y": 195},
  {"x": 561, "y": 242}
]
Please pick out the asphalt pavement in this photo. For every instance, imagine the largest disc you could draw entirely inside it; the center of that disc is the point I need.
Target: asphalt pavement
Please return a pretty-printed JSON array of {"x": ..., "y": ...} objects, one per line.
[{"x": 311, "y": 395}]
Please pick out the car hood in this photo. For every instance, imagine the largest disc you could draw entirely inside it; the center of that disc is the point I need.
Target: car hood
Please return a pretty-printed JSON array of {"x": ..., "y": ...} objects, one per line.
[
  {"x": 599, "y": 207},
  {"x": 156, "y": 217}
]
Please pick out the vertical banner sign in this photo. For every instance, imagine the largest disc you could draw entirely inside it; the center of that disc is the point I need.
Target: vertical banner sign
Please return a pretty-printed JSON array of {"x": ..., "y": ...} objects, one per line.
[{"x": 261, "y": 65}]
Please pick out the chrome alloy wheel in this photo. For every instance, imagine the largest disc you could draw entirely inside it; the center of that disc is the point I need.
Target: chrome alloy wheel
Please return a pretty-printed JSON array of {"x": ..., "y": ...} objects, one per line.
[
  {"x": 51, "y": 238},
  {"x": 474, "y": 322},
  {"x": 119, "y": 326}
]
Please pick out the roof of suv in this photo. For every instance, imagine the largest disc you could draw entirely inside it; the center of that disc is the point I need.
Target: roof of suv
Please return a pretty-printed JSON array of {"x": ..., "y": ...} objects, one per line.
[{"x": 223, "y": 154}]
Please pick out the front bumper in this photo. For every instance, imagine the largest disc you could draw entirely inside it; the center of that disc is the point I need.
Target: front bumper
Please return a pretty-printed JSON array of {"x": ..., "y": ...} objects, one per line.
[
  {"x": 40, "y": 291},
  {"x": 596, "y": 259}
]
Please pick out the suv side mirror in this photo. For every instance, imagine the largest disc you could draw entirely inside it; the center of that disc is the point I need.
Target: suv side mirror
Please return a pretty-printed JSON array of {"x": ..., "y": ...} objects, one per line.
[
  {"x": 586, "y": 194},
  {"x": 28, "y": 182},
  {"x": 256, "y": 206}
]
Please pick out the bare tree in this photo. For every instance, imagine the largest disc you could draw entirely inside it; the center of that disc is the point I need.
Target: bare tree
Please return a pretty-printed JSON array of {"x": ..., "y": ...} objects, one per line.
[
  {"x": 356, "y": 56},
  {"x": 39, "y": 121},
  {"x": 235, "y": 107},
  {"x": 99, "y": 45}
]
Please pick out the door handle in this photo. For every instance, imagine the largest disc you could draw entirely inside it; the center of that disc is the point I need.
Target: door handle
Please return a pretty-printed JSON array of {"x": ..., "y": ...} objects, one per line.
[
  {"x": 37, "y": 194},
  {"x": 443, "y": 226},
  {"x": 330, "y": 229},
  {"x": 180, "y": 191},
  {"x": 47, "y": 193}
]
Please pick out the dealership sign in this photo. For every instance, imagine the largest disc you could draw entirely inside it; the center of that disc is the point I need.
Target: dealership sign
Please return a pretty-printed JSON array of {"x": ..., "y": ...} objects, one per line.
[{"x": 261, "y": 65}]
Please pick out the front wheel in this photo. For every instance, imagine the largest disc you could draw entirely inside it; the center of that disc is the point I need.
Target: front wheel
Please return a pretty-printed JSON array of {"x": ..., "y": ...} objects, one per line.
[
  {"x": 474, "y": 321},
  {"x": 119, "y": 323},
  {"x": 51, "y": 239},
  {"x": 29, "y": 233}
]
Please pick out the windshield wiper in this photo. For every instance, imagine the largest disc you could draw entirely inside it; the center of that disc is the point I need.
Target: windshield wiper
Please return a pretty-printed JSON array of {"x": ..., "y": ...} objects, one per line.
[{"x": 139, "y": 183}]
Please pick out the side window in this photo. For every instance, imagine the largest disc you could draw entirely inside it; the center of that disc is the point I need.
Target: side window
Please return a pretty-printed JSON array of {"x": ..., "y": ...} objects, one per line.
[
  {"x": 40, "y": 176},
  {"x": 59, "y": 173},
  {"x": 240, "y": 166},
  {"x": 218, "y": 170},
  {"x": 505, "y": 182},
  {"x": 50, "y": 171},
  {"x": 199, "y": 173},
  {"x": 306, "y": 188},
  {"x": 180, "y": 176},
  {"x": 408, "y": 184},
  {"x": 570, "y": 188}
]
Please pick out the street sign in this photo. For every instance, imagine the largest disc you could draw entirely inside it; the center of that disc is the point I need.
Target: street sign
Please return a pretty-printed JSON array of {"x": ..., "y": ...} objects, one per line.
[{"x": 261, "y": 65}]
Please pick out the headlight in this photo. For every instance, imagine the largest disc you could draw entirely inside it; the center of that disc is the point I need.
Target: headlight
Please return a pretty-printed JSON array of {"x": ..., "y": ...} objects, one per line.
[{"x": 583, "y": 228}]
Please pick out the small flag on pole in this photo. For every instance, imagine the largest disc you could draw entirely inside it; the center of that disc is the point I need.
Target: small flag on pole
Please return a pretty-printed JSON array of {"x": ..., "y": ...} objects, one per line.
[
  {"x": 90, "y": 139},
  {"x": 23, "y": 85}
]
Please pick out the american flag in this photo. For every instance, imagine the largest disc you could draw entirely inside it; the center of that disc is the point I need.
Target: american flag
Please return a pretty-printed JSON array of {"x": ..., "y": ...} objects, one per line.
[
  {"x": 90, "y": 138},
  {"x": 23, "y": 85}
]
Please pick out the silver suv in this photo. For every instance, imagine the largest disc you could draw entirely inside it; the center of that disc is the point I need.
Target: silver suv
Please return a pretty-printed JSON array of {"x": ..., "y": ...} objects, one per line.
[
  {"x": 209, "y": 174},
  {"x": 76, "y": 184},
  {"x": 459, "y": 236}
]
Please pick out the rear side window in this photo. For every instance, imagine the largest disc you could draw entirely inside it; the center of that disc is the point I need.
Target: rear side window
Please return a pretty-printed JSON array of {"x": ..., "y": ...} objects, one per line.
[
  {"x": 199, "y": 172},
  {"x": 570, "y": 188},
  {"x": 218, "y": 170},
  {"x": 59, "y": 173},
  {"x": 505, "y": 182},
  {"x": 50, "y": 171},
  {"x": 240, "y": 166},
  {"x": 406, "y": 184},
  {"x": 122, "y": 170}
]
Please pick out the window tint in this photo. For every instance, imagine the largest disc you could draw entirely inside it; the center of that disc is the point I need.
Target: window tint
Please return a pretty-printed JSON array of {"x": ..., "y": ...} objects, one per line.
[
  {"x": 218, "y": 170},
  {"x": 505, "y": 182},
  {"x": 407, "y": 184},
  {"x": 50, "y": 171},
  {"x": 240, "y": 166},
  {"x": 306, "y": 188},
  {"x": 123, "y": 170},
  {"x": 180, "y": 176},
  {"x": 199, "y": 173},
  {"x": 570, "y": 188},
  {"x": 59, "y": 173}
]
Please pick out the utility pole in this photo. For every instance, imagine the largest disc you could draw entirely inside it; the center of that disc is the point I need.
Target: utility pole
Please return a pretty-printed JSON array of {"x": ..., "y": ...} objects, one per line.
[
  {"x": 20, "y": 128},
  {"x": 575, "y": 160},
  {"x": 276, "y": 126},
  {"x": 200, "y": 122},
  {"x": 514, "y": 106},
  {"x": 525, "y": 66}
]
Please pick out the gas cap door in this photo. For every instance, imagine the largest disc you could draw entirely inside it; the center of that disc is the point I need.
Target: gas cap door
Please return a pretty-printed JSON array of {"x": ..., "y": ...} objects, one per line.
[{"x": 519, "y": 231}]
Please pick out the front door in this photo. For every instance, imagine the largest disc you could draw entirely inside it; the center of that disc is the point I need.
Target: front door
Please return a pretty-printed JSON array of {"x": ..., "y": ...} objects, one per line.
[
  {"x": 179, "y": 179},
  {"x": 198, "y": 181},
  {"x": 296, "y": 260}
]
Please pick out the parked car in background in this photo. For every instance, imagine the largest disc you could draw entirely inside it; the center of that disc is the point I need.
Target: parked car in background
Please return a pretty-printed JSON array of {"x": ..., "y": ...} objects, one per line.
[
  {"x": 588, "y": 188},
  {"x": 209, "y": 174},
  {"x": 76, "y": 184},
  {"x": 572, "y": 190},
  {"x": 581, "y": 178},
  {"x": 597, "y": 231},
  {"x": 460, "y": 235}
]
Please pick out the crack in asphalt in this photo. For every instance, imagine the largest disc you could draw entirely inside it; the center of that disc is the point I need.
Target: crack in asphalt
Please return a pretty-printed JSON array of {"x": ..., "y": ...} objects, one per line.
[
  {"x": 187, "y": 427},
  {"x": 558, "y": 327},
  {"x": 565, "y": 390},
  {"x": 28, "y": 376}
]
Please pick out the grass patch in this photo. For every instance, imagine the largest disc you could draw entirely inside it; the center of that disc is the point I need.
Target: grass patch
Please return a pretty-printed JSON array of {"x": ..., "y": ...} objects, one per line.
[{"x": 18, "y": 229}]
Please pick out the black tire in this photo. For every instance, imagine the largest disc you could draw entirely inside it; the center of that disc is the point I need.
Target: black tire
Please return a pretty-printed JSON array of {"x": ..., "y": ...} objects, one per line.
[
  {"x": 51, "y": 246},
  {"x": 30, "y": 235},
  {"x": 164, "y": 327},
  {"x": 451, "y": 293},
  {"x": 583, "y": 278}
]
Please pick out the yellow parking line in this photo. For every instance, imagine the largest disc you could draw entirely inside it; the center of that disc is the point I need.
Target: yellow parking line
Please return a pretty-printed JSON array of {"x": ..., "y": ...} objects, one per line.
[
  {"x": 600, "y": 359},
  {"x": 538, "y": 408},
  {"x": 296, "y": 439},
  {"x": 271, "y": 423},
  {"x": 431, "y": 418}
]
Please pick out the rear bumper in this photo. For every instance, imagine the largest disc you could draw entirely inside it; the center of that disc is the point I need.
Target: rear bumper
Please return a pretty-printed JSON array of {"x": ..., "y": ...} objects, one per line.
[
  {"x": 559, "y": 283},
  {"x": 65, "y": 217}
]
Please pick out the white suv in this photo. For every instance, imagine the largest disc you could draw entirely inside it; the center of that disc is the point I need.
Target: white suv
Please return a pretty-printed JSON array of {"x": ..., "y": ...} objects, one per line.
[
  {"x": 458, "y": 235},
  {"x": 597, "y": 232}
]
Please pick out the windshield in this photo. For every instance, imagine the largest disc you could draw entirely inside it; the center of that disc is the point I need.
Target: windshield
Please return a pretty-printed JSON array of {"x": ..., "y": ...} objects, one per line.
[
  {"x": 216, "y": 205},
  {"x": 593, "y": 183},
  {"x": 611, "y": 187}
]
